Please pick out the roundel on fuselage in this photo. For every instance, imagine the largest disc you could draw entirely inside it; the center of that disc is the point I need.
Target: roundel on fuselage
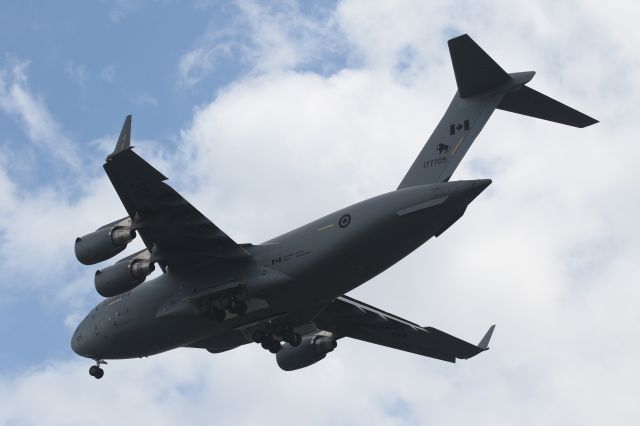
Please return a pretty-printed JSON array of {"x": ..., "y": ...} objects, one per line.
[{"x": 344, "y": 221}]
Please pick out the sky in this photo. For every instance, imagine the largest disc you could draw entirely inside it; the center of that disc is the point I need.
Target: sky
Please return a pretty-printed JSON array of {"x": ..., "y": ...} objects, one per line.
[{"x": 267, "y": 115}]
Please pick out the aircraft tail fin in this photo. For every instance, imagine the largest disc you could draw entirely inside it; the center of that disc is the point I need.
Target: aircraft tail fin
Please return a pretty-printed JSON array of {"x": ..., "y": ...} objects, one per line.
[
  {"x": 475, "y": 71},
  {"x": 483, "y": 86}
]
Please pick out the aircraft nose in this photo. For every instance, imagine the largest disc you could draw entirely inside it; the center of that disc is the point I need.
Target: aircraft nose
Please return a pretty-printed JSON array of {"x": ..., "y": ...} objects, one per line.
[{"x": 79, "y": 342}]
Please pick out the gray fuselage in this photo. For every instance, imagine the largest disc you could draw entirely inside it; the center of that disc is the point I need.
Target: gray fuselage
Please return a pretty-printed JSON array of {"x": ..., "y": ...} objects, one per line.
[{"x": 293, "y": 275}]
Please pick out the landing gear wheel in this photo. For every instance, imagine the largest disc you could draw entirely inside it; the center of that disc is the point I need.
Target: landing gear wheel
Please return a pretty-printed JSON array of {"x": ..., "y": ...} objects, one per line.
[
  {"x": 275, "y": 347},
  {"x": 99, "y": 373},
  {"x": 266, "y": 343},
  {"x": 96, "y": 371},
  {"x": 295, "y": 340},
  {"x": 280, "y": 330}
]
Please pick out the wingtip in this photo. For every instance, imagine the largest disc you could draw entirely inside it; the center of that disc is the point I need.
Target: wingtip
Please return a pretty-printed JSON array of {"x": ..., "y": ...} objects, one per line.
[
  {"x": 461, "y": 36},
  {"x": 124, "y": 140},
  {"x": 484, "y": 343},
  {"x": 589, "y": 121}
]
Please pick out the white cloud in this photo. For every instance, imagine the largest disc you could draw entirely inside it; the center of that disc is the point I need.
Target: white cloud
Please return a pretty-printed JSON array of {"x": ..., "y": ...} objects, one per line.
[
  {"x": 190, "y": 387},
  {"x": 7, "y": 188},
  {"x": 265, "y": 37},
  {"x": 145, "y": 99},
  {"x": 41, "y": 129},
  {"x": 121, "y": 9},
  {"x": 199, "y": 62},
  {"x": 39, "y": 223},
  {"x": 261, "y": 126},
  {"x": 77, "y": 73},
  {"x": 282, "y": 37},
  {"x": 549, "y": 252}
]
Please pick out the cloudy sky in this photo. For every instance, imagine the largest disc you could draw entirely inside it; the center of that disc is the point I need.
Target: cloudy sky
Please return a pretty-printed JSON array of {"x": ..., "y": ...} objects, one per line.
[{"x": 268, "y": 115}]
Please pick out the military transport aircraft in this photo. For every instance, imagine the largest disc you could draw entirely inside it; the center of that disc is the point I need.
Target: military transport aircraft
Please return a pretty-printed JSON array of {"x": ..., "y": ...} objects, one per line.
[{"x": 289, "y": 294}]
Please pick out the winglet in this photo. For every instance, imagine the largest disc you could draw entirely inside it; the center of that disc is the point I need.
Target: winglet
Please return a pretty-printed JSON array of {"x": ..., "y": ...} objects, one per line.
[
  {"x": 484, "y": 343},
  {"x": 124, "y": 141}
]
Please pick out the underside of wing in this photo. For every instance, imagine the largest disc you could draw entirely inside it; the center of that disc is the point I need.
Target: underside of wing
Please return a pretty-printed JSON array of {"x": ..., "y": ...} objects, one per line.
[
  {"x": 174, "y": 231},
  {"x": 347, "y": 317}
]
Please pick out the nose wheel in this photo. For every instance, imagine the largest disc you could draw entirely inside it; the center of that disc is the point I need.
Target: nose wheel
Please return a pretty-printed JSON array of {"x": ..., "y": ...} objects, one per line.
[{"x": 96, "y": 371}]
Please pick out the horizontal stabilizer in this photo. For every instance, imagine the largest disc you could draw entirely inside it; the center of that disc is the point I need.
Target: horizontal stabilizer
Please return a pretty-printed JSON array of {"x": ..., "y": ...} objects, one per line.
[
  {"x": 527, "y": 101},
  {"x": 475, "y": 71}
]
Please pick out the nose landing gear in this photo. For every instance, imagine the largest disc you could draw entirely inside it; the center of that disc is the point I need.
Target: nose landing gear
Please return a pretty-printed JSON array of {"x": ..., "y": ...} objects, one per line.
[{"x": 96, "y": 371}]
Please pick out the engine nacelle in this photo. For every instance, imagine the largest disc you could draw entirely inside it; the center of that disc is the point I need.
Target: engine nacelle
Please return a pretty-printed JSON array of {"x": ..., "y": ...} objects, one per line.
[
  {"x": 123, "y": 276},
  {"x": 311, "y": 350},
  {"x": 104, "y": 243}
]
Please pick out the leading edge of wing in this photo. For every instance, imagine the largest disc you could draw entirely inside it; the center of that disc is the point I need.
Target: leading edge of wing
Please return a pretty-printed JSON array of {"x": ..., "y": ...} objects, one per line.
[{"x": 168, "y": 224}]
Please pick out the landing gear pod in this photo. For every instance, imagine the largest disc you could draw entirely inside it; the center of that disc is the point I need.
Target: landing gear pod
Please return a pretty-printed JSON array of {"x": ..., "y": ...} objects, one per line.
[
  {"x": 309, "y": 351},
  {"x": 104, "y": 243}
]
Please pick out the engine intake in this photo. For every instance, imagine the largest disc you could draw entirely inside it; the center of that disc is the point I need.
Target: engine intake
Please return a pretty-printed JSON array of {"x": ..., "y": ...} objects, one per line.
[
  {"x": 104, "y": 243},
  {"x": 311, "y": 350},
  {"x": 123, "y": 276}
]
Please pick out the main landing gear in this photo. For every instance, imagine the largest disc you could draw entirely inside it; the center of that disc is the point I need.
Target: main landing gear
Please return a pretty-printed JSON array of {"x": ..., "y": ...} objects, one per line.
[
  {"x": 233, "y": 305},
  {"x": 269, "y": 338},
  {"x": 218, "y": 311},
  {"x": 96, "y": 371},
  {"x": 214, "y": 313}
]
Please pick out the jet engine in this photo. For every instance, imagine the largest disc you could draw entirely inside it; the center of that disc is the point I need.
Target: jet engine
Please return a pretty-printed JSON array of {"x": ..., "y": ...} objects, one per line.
[
  {"x": 311, "y": 350},
  {"x": 124, "y": 275},
  {"x": 104, "y": 243}
]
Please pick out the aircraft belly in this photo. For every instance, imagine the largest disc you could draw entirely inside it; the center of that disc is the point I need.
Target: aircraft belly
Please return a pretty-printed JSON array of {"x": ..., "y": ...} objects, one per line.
[
  {"x": 377, "y": 251},
  {"x": 322, "y": 262}
]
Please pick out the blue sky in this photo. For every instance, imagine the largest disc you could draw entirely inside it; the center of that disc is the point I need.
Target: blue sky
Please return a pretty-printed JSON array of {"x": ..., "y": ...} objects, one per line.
[
  {"x": 268, "y": 115},
  {"x": 91, "y": 63},
  {"x": 94, "y": 60}
]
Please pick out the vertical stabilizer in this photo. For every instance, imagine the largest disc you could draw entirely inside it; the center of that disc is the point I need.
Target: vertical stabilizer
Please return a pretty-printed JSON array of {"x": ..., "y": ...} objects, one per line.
[
  {"x": 475, "y": 71},
  {"x": 483, "y": 86}
]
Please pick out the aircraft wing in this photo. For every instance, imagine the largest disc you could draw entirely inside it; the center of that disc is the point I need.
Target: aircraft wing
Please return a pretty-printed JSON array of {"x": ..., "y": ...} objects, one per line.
[
  {"x": 174, "y": 231},
  {"x": 347, "y": 317}
]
